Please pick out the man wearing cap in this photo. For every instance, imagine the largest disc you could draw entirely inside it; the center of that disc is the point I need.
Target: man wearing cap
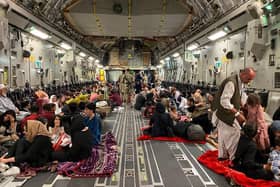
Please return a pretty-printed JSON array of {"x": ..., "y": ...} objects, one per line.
[{"x": 5, "y": 102}]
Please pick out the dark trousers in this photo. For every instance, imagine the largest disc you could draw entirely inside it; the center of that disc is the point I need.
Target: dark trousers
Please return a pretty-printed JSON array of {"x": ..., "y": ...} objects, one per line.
[
  {"x": 204, "y": 122},
  {"x": 60, "y": 156},
  {"x": 37, "y": 154},
  {"x": 18, "y": 148},
  {"x": 260, "y": 174}
]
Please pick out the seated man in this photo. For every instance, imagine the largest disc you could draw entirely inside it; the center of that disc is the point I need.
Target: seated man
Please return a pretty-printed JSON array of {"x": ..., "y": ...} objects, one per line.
[
  {"x": 5, "y": 102},
  {"x": 93, "y": 122}
]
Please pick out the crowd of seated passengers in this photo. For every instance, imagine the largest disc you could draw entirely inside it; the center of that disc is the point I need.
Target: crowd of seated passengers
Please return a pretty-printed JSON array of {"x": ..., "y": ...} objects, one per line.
[
  {"x": 262, "y": 139},
  {"x": 42, "y": 129}
]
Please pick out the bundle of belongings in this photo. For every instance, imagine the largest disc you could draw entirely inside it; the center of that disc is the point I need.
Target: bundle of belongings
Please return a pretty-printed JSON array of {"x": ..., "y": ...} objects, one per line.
[{"x": 102, "y": 108}]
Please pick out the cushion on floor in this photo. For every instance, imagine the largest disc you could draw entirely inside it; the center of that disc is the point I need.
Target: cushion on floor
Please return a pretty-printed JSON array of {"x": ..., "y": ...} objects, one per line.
[
  {"x": 170, "y": 139},
  {"x": 209, "y": 159}
]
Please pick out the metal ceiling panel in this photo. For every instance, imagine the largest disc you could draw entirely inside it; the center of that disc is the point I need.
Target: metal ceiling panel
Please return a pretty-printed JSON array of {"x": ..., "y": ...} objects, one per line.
[{"x": 17, "y": 20}]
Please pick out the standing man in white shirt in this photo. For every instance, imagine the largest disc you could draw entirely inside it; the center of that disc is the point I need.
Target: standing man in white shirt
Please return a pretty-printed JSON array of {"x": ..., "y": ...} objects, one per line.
[{"x": 227, "y": 103}]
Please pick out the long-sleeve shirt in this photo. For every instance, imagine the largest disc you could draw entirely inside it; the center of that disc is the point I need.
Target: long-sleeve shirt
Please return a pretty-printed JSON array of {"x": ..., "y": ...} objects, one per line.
[
  {"x": 245, "y": 155},
  {"x": 228, "y": 93},
  {"x": 94, "y": 125},
  {"x": 274, "y": 159},
  {"x": 6, "y": 104},
  {"x": 256, "y": 116}
]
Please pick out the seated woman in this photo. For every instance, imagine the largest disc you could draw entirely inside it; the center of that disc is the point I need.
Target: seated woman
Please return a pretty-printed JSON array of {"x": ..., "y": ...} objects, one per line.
[
  {"x": 274, "y": 132},
  {"x": 29, "y": 149},
  {"x": 246, "y": 154},
  {"x": 198, "y": 99},
  {"x": 115, "y": 98},
  {"x": 94, "y": 95},
  {"x": 56, "y": 129},
  {"x": 174, "y": 114},
  {"x": 48, "y": 112},
  {"x": 81, "y": 143},
  {"x": 161, "y": 123},
  {"x": 9, "y": 130}
]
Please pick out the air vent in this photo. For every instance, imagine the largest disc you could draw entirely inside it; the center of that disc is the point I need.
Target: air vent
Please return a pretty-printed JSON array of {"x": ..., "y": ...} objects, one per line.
[{"x": 277, "y": 80}]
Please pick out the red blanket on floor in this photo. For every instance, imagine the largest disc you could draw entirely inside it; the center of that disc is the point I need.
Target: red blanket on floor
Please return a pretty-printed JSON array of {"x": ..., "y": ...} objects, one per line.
[
  {"x": 171, "y": 139},
  {"x": 210, "y": 160}
]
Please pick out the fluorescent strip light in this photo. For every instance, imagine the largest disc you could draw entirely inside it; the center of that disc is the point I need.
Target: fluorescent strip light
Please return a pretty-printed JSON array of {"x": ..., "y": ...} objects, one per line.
[
  {"x": 176, "y": 55},
  {"x": 167, "y": 58},
  {"x": 192, "y": 47},
  {"x": 162, "y": 61},
  {"x": 159, "y": 66},
  {"x": 65, "y": 46},
  {"x": 82, "y": 54},
  {"x": 61, "y": 51},
  {"x": 196, "y": 52},
  {"x": 217, "y": 35},
  {"x": 91, "y": 58},
  {"x": 97, "y": 61},
  {"x": 39, "y": 33},
  {"x": 99, "y": 66}
]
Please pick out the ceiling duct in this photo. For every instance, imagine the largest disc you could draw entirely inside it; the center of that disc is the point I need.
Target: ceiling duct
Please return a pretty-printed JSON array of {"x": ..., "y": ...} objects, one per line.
[{"x": 255, "y": 9}]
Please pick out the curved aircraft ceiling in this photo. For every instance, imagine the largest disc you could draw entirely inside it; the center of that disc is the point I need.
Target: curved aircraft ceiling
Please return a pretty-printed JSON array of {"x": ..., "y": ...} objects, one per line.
[{"x": 98, "y": 24}]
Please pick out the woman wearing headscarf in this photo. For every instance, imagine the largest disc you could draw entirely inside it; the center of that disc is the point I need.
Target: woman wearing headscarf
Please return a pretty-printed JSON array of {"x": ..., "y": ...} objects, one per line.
[
  {"x": 29, "y": 149},
  {"x": 54, "y": 100},
  {"x": 161, "y": 122}
]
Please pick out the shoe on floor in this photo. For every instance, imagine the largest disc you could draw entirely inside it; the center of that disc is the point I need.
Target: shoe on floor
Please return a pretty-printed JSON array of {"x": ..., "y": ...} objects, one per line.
[
  {"x": 27, "y": 174},
  {"x": 222, "y": 159},
  {"x": 12, "y": 171},
  {"x": 3, "y": 167}
]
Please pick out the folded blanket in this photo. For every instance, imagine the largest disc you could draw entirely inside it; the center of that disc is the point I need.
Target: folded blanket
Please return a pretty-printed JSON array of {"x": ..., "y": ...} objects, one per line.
[
  {"x": 102, "y": 162},
  {"x": 171, "y": 139},
  {"x": 210, "y": 160}
]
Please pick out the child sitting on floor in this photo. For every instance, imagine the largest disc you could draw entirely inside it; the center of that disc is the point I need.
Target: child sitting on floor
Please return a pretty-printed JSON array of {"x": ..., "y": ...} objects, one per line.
[
  {"x": 245, "y": 155},
  {"x": 274, "y": 159}
]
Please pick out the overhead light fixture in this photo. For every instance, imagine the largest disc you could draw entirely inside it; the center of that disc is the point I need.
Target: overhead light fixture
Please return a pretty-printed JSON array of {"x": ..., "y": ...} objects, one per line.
[
  {"x": 159, "y": 66},
  {"x": 39, "y": 33},
  {"x": 193, "y": 46},
  {"x": 268, "y": 7},
  {"x": 162, "y": 61},
  {"x": 97, "y": 61},
  {"x": 227, "y": 29},
  {"x": 61, "y": 51},
  {"x": 167, "y": 58},
  {"x": 196, "y": 52},
  {"x": 91, "y": 58},
  {"x": 81, "y": 54},
  {"x": 217, "y": 35},
  {"x": 176, "y": 55},
  {"x": 65, "y": 46},
  {"x": 99, "y": 66}
]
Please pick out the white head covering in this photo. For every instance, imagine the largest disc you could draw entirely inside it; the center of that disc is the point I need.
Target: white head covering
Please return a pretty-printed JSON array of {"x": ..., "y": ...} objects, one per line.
[
  {"x": 2, "y": 86},
  {"x": 52, "y": 98}
]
